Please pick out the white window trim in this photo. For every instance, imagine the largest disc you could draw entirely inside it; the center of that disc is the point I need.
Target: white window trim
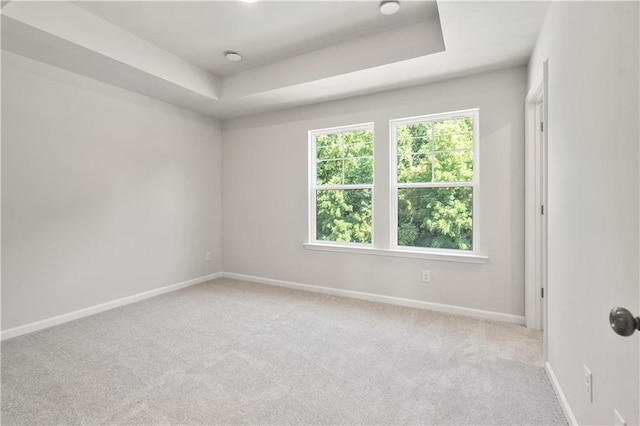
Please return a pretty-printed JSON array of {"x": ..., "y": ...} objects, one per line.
[
  {"x": 440, "y": 255},
  {"x": 313, "y": 186},
  {"x": 474, "y": 253}
]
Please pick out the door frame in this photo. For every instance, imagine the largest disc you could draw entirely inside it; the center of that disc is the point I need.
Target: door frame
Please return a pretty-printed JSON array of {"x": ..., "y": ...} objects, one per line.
[{"x": 535, "y": 172}]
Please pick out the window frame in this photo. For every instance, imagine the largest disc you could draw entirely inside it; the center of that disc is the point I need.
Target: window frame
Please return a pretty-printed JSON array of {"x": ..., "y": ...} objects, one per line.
[
  {"x": 394, "y": 185},
  {"x": 313, "y": 184}
]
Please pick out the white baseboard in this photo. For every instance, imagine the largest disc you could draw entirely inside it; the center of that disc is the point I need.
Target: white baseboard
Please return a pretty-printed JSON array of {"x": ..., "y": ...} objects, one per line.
[
  {"x": 568, "y": 413},
  {"x": 451, "y": 309},
  {"x": 39, "y": 325},
  {"x": 477, "y": 313}
]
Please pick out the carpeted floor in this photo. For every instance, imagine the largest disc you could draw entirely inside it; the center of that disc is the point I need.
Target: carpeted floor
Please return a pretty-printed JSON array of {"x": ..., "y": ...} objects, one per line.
[{"x": 231, "y": 352}]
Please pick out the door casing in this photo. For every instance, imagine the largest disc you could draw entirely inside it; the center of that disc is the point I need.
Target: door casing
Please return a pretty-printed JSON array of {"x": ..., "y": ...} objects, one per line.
[{"x": 535, "y": 197}]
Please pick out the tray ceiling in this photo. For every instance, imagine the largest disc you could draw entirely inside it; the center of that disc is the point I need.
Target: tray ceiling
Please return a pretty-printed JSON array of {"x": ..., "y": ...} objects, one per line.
[{"x": 294, "y": 52}]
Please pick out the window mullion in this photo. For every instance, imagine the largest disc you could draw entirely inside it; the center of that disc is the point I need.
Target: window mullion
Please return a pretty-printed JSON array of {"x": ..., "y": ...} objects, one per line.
[
  {"x": 343, "y": 154},
  {"x": 343, "y": 187},
  {"x": 433, "y": 156},
  {"x": 434, "y": 184}
]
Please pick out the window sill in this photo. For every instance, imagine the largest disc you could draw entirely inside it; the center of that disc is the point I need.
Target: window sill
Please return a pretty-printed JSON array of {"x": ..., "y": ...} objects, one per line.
[{"x": 413, "y": 254}]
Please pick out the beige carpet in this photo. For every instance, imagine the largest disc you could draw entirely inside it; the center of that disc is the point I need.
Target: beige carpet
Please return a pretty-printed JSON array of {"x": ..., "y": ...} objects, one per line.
[{"x": 231, "y": 352}]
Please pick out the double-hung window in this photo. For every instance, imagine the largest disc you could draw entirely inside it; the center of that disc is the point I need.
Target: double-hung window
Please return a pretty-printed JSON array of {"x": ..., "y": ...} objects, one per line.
[
  {"x": 434, "y": 181},
  {"x": 341, "y": 176}
]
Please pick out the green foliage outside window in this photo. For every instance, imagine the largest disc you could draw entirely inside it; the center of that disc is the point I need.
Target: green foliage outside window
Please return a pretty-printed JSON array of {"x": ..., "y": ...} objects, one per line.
[
  {"x": 435, "y": 152},
  {"x": 435, "y": 217},
  {"x": 434, "y": 174},
  {"x": 344, "y": 214}
]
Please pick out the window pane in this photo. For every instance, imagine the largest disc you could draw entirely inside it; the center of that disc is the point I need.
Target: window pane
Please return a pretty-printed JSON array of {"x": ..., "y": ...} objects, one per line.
[
  {"x": 329, "y": 172},
  {"x": 414, "y": 138},
  {"x": 343, "y": 215},
  {"x": 436, "y": 217},
  {"x": 405, "y": 145},
  {"x": 358, "y": 150},
  {"x": 414, "y": 145},
  {"x": 453, "y": 166},
  {"x": 358, "y": 171},
  {"x": 358, "y": 136},
  {"x": 344, "y": 158},
  {"x": 414, "y": 168},
  {"x": 453, "y": 134},
  {"x": 436, "y": 151},
  {"x": 454, "y": 125},
  {"x": 446, "y": 142},
  {"x": 329, "y": 146},
  {"x": 415, "y": 130}
]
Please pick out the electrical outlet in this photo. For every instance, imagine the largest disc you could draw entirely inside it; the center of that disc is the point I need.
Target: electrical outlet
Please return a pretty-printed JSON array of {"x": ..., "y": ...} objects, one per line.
[
  {"x": 207, "y": 256},
  {"x": 588, "y": 383},
  {"x": 426, "y": 276},
  {"x": 617, "y": 419}
]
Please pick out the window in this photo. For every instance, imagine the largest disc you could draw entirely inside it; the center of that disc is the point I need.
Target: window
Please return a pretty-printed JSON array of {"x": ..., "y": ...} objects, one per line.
[
  {"x": 434, "y": 181},
  {"x": 427, "y": 203},
  {"x": 341, "y": 190}
]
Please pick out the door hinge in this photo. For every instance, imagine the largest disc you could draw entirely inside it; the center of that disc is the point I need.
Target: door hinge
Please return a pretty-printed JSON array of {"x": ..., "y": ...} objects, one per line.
[
  {"x": 542, "y": 126},
  {"x": 542, "y": 209},
  {"x": 542, "y": 292}
]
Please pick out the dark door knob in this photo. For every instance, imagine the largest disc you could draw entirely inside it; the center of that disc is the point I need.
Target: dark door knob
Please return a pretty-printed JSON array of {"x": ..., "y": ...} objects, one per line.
[{"x": 623, "y": 322}]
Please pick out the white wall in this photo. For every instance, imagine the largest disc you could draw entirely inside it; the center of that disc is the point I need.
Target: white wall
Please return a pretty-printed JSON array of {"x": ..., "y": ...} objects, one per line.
[
  {"x": 265, "y": 196},
  {"x": 593, "y": 137},
  {"x": 105, "y": 193}
]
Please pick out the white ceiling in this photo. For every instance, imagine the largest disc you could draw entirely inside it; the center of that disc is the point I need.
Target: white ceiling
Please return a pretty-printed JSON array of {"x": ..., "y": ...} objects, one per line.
[
  {"x": 295, "y": 52},
  {"x": 262, "y": 32}
]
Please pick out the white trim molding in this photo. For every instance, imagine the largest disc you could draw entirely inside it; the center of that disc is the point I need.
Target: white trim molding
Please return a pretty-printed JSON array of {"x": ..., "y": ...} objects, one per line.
[
  {"x": 442, "y": 255},
  {"x": 535, "y": 223},
  {"x": 85, "y": 312},
  {"x": 566, "y": 408},
  {"x": 410, "y": 303}
]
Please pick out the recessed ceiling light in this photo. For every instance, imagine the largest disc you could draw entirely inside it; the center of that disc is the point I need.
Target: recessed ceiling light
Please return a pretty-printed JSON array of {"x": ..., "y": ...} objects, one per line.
[
  {"x": 389, "y": 7},
  {"x": 233, "y": 56},
  {"x": 249, "y": 1}
]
